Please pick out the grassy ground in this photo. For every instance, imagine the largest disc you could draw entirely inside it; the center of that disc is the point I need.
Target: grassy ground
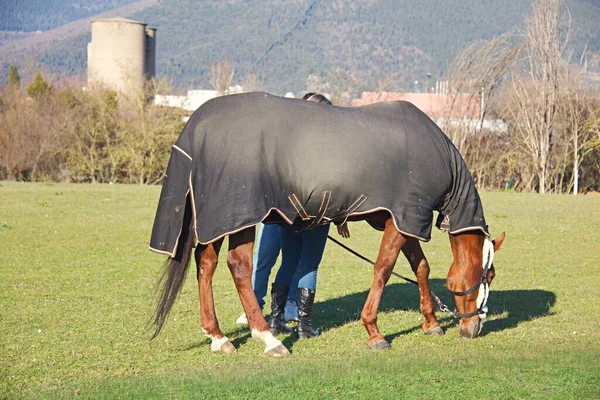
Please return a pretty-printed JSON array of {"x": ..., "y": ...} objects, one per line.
[{"x": 76, "y": 290}]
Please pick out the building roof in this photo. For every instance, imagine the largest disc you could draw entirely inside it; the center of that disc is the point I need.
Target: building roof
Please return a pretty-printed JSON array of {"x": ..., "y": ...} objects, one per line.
[
  {"x": 118, "y": 19},
  {"x": 435, "y": 105}
]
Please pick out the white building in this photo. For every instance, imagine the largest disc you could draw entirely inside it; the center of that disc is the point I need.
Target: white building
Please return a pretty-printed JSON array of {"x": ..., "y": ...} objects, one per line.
[{"x": 193, "y": 99}]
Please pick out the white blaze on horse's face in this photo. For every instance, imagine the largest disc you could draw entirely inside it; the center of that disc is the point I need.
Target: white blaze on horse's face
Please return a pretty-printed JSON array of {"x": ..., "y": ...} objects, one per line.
[{"x": 484, "y": 288}]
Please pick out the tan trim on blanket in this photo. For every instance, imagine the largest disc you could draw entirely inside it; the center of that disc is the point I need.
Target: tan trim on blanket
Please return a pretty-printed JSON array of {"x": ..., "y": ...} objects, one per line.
[
  {"x": 182, "y": 152},
  {"x": 193, "y": 203},
  {"x": 161, "y": 251},
  {"x": 470, "y": 228},
  {"x": 393, "y": 219},
  {"x": 290, "y": 222}
]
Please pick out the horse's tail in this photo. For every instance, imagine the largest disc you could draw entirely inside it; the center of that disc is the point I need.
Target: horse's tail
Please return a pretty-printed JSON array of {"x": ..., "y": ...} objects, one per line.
[{"x": 174, "y": 272}]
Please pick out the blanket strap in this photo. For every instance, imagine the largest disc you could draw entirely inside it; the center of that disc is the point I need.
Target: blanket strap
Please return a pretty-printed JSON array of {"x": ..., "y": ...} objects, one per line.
[
  {"x": 344, "y": 215},
  {"x": 318, "y": 219},
  {"x": 322, "y": 209},
  {"x": 298, "y": 206}
]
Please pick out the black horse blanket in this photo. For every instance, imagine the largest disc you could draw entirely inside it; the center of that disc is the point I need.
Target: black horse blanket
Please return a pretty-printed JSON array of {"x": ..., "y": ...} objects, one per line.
[{"x": 247, "y": 158}]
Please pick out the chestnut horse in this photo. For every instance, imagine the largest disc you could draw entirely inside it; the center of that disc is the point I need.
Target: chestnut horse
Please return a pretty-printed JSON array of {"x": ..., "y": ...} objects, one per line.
[{"x": 244, "y": 159}]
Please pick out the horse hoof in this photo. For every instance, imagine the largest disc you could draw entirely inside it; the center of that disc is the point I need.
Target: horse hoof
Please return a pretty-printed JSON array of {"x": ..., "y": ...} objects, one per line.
[
  {"x": 435, "y": 331},
  {"x": 227, "y": 348},
  {"x": 380, "y": 344},
  {"x": 279, "y": 351}
]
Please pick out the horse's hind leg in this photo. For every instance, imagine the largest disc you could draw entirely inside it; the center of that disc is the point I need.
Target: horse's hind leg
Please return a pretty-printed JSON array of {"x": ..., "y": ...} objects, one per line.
[
  {"x": 206, "y": 264},
  {"x": 414, "y": 254},
  {"x": 388, "y": 254},
  {"x": 239, "y": 260}
]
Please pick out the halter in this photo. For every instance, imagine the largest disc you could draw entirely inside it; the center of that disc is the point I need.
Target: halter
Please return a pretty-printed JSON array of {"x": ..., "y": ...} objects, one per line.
[{"x": 482, "y": 284}]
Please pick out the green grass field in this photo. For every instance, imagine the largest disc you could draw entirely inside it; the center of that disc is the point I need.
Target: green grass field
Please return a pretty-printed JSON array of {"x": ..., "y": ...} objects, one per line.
[{"x": 77, "y": 288}]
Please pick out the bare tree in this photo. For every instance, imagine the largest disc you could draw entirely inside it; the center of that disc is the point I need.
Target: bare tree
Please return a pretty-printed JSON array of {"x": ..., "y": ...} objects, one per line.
[
  {"x": 536, "y": 93},
  {"x": 92, "y": 135},
  {"x": 476, "y": 75},
  {"x": 221, "y": 75},
  {"x": 251, "y": 83},
  {"x": 29, "y": 133},
  {"x": 317, "y": 84},
  {"x": 384, "y": 83},
  {"x": 343, "y": 86},
  {"x": 575, "y": 113},
  {"x": 339, "y": 84},
  {"x": 149, "y": 132},
  {"x": 16, "y": 125}
]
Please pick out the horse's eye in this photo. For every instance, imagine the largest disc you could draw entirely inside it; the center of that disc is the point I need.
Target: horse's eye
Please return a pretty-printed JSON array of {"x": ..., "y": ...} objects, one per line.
[{"x": 491, "y": 274}]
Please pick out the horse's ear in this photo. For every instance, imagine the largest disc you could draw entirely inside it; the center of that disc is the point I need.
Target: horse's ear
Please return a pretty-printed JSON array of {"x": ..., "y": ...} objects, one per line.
[{"x": 498, "y": 242}]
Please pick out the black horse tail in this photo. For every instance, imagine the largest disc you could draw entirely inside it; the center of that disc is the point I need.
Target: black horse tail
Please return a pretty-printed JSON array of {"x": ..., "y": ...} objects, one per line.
[{"x": 174, "y": 272}]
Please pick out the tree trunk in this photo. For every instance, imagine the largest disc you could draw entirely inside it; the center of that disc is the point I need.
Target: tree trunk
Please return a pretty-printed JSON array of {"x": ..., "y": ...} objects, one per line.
[{"x": 575, "y": 165}]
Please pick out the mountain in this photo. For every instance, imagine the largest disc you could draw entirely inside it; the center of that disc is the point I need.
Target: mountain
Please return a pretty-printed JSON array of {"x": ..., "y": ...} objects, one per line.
[
  {"x": 285, "y": 41},
  {"x": 41, "y": 15}
]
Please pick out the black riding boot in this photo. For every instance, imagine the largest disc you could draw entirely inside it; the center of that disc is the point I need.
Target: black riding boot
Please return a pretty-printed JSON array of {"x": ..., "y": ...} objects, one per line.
[
  {"x": 306, "y": 298},
  {"x": 279, "y": 294}
]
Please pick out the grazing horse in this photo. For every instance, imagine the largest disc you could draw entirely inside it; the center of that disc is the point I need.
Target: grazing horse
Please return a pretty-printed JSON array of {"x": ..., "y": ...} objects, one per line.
[{"x": 247, "y": 158}]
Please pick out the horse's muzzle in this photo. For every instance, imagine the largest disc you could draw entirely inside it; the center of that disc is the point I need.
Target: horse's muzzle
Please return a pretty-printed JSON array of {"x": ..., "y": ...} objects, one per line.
[{"x": 471, "y": 329}]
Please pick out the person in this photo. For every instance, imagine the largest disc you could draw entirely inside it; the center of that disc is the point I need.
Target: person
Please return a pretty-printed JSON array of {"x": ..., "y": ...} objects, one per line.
[
  {"x": 301, "y": 255},
  {"x": 268, "y": 248}
]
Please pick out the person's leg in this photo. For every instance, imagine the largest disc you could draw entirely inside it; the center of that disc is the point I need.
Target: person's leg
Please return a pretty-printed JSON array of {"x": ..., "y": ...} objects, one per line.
[
  {"x": 313, "y": 245},
  {"x": 267, "y": 251},
  {"x": 291, "y": 306},
  {"x": 297, "y": 275},
  {"x": 291, "y": 245},
  {"x": 291, "y": 250}
]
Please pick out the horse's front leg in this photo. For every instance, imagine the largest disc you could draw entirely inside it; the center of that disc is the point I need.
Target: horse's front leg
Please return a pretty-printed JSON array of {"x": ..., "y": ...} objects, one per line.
[
  {"x": 239, "y": 260},
  {"x": 206, "y": 264},
  {"x": 414, "y": 254},
  {"x": 388, "y": 254}
]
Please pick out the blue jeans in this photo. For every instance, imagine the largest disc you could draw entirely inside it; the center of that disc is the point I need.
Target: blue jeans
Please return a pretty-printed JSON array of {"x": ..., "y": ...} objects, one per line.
[
  {"x": 268, "y": 245},
  {"x": 301, "y": 251}
]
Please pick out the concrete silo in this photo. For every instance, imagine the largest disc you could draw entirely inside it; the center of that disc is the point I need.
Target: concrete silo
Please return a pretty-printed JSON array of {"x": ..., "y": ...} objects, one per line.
[{"x": 121, "y": 55}]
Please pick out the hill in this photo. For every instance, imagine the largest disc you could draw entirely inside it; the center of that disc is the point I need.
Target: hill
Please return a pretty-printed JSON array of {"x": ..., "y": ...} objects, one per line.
[
  {"x": 41, "y": 15},
  {"x": 284, "y": 42}
]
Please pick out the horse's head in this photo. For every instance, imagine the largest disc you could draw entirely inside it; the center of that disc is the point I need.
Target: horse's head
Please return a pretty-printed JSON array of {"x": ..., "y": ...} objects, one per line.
[{"x": 469, "y": 278}]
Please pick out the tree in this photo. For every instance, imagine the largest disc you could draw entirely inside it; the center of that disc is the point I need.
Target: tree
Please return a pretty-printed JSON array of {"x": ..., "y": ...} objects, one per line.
[
  {"x": 582, "y": 124},
  {"x": 38, "y": 87},
  {"x": 341, "y": 85},
  {"x": 221, "y": 75},
  {"x": 475, "y": 78},
  {"x": 147, "y": 134},
  {"x": 537, "y": 89},
  {"x": 577, "y": 117},
  {"x": 30, "y": 133},
  {"x": 251, "y": 83},
  {"x": 14, "y": 80}
]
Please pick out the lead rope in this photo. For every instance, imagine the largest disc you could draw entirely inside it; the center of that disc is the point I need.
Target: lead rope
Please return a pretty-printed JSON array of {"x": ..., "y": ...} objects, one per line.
[{"x": 441, "y": 306}]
